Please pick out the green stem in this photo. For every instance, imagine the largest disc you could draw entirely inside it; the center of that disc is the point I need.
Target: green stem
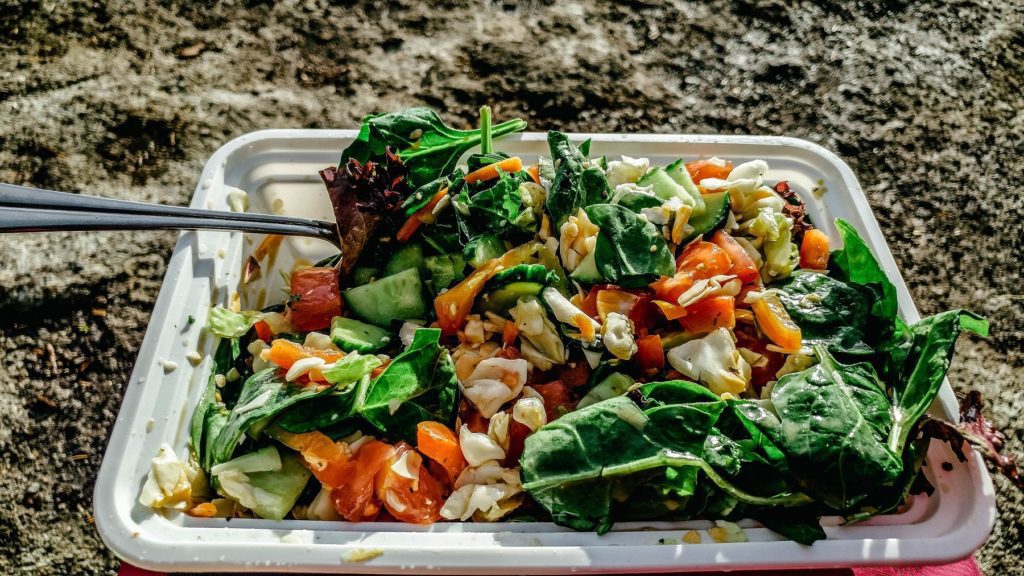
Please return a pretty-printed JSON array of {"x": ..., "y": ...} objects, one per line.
[
  {"x": 485, "y": 130},
  {"x": 471, "y": 138}
]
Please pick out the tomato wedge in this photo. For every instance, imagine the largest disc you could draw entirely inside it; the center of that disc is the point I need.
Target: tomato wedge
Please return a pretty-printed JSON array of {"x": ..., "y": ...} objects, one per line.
[
  {"x": 649, "y": 354},
  {"x": 317, "y": 298},
  {"x": 703, "y": 260},
  {"x": 437, "y": 442},
  {"x": 517, "y": 433},
  {"x": 710, "y": 314},
  {"x": 701, "y": 169},
  {"x": 743, "y": 266},
  {"x": 573, "y": 376},
  {"x": 414, "y": 500},
  {"x": 263, "y": 331},
  {"x": 670, "y": 288},
  {"x": 354, "y": 498}
]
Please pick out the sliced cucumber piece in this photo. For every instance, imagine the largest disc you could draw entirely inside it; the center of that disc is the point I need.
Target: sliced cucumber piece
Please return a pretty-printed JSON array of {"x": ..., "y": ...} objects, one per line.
[
  {"x": 483, "y": 248},
  {"x": 677, "y": 171},
  {"x": 587, "y": 272},
  {"x": 616, "y": 384},
  {"x": 362, "y": 275},
  {"x": 396, "y": 297},
  {"x": 408, "y": 256},
  {"x": 716, "y": 212},
  {"x": 504, "y": 298},
  {"x": 351, "y": 335},
  {"x": 664, "y": 186},
  {"x": 444, "y": 270}
]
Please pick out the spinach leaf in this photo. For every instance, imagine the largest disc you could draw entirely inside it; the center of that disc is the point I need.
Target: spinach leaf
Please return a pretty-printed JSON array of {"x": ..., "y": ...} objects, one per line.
[
  {"x": 675, "y": 392},
  {"x": 576, "y": 185},
  {"x": 493, "y": 210},
  {"x": 833, "y": 426},
  {"x": 264, "y": 395},
  {"x": 828, "y": 311},
  {"x": 209, "y": 414},
  {"x": 798, "y": 524},
  {"x": 631, "y": 251},
  {"x": 427, "y": 146},
  {"x": 570, "y": 465},
  {"x": 856, "y": 264},
  {"x": 351, "y": 375},
  {"x": 918, "y": 358},
  {"x": 419, "y": 385}
]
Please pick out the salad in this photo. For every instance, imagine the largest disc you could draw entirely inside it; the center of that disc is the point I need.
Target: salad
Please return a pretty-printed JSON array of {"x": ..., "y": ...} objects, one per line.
[{"x": 585, "y": 339}]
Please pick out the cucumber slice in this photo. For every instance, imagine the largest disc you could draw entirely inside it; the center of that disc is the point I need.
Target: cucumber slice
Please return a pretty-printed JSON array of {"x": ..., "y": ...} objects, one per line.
[
  {"x": 408, "y": 256},
  {"x": 616, "y": 384},
  {"x": 483, "y": 248},
  {"x": 664, "y": 186},
  {"x": 362, "y": 275},
  {"x": 587, "y": 272},
  {"x": 716, "y": 212},
  {"x": 351, "y": 335},
  {"x": 504, "y": 298},
  {"x": 677, "y": 171},
  {"x": 444, "y": 270},
  {"x": 396, "y": 297}
]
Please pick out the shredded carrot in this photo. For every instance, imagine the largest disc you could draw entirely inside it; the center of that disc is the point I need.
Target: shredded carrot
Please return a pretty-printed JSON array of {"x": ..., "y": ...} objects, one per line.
[
  {"x": 534, "y": 172},
  {"x": 413, "y": 223},
  {"x": 490, "y": 172},
  {"x": 509, "y": 333},
  {"x": 671, "y": 311},
  {"x": 814, "y": 250}
]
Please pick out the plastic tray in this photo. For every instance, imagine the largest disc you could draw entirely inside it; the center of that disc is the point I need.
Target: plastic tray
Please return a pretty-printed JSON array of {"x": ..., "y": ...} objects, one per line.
[{"x": 279, "y": 170}]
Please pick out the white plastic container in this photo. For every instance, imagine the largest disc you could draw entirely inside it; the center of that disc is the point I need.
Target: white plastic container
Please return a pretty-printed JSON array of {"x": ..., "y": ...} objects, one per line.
[{"x": 279, "y": 168}]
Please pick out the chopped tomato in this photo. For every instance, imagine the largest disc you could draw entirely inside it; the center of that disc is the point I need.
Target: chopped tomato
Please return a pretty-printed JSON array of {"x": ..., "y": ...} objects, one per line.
[
  {"x": 589, "y": 304},
  {"x": 414, "y": 500},
  {"x": 263, "y": 331},
  {"x": 741, "y": 298},
  {"x": 517, "y": 433},
  {"x": 284, "y": 353},
  {"x": 670, "y": 288},
  {"x": 573, "y": 375},
  {"x": 437, "y": 442},
  {"x": 743, "y": 266},
  {"x": 509, "y": 353},
  {"x": 317, "y": 298},
  {"x": 509, "y": 333},
  {"x": 701, "y": 169},
  {"x": 775, "y": 323},
  {"x": 644, "y": 314},
  {"x": 710, "y": 314},
  {"x": 703, "y": 260},
  {"x": 649, "y": 353},
  {"x": 670, "y": 310},
  {"x": 556, "y": 398},
  {"x": 325, "y": 457},
  {"x": 814, "y": 250},
  {"x": 354, "y": 499}
]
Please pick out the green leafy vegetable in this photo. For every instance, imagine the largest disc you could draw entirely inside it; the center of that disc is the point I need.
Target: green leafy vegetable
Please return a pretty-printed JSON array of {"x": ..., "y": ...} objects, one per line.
[
  {"x": 227, "y": 324},
  {"x": 418, "y": 385},
  {"x": 575, "y": 185},
  {"x": 630, "y": 252},
  {"x": 427, "y": 146},
  {"x": 828, "y": 311},
  {"x": 494, "y": 210},
  {"x": 919, "y": 356},
  {"x": 270, "y": 493},
  {"x": 856, "y": 264},
  {"x": 834, "y": 425},
  {"x": 264, "y": 395}
]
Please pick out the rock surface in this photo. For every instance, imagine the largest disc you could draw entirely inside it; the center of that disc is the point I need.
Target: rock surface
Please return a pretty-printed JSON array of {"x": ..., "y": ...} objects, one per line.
[{"x": 924, "y": 100}]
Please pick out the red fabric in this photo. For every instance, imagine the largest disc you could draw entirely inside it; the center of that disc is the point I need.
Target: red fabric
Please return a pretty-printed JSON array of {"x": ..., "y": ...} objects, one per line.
[{"x": 965, "y": 567}]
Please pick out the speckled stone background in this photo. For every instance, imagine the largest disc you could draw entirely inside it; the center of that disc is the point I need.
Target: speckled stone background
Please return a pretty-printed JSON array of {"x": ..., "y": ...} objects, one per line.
[{"x": 127, "y": 99}]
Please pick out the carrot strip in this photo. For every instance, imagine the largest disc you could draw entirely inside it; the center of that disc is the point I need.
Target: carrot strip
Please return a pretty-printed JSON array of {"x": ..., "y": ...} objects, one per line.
[
  {"x": 534, "y": 172},
  {"x": 413, "y": 223},
  {"x": 490, "y": 172},
  {"x": 509, "y": 333},
  {"x": 814, "y": 250}
]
